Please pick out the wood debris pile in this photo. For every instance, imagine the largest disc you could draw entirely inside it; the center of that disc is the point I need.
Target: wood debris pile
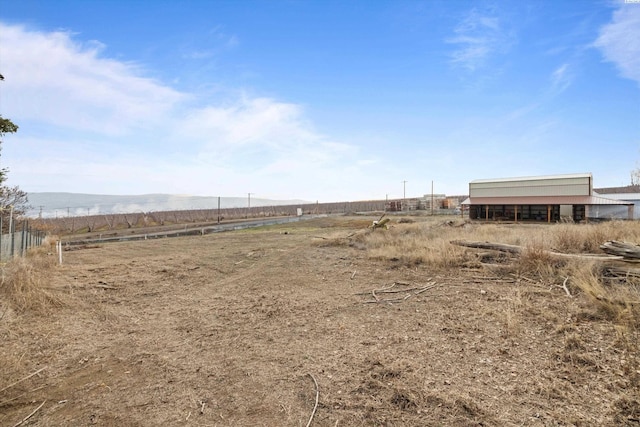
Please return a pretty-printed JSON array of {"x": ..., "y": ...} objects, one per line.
[{"x": 615, "y": 252}]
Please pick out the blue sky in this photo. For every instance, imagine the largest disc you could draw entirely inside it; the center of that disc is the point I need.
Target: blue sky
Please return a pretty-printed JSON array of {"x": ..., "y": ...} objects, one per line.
[{"x": 316, "y": 100}]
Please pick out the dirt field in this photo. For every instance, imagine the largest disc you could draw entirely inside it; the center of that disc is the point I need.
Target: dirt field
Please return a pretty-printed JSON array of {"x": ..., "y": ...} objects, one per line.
[{"x": 235, "y": 329}]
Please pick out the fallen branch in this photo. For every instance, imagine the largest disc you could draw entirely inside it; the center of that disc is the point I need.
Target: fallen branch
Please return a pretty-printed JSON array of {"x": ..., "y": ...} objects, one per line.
[
  {"x": 629, "y": 251},
  {"x": 380, "y": 223},
  {"x": 624, "y": 272},
  {"x": 389, "y": 287},
  {"x": 373, "y": 292},
  {"x": 315, "y": 407},
  {"x": 426, "y": 288},
  {"x": 30, "y": 415},
  {"x": 488, "y": 245},
  {"x": 388, "y": 290},
  {"x": 23, "y": 379},
  {"x": 518, "y": 250},
  {"x": 390, "y": 300},
  {"x": 524, "y": 278},
  {"x": 564, "y": 286}
]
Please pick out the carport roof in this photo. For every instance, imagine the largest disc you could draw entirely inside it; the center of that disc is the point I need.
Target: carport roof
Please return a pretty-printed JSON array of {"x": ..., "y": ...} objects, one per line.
[{"x": 545, "y": 200}]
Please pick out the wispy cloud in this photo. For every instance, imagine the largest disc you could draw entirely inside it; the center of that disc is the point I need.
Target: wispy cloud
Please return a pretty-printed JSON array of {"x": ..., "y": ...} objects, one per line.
[
  {"x": 248, "y": 120},
  {"x": 478, "y": 36},
  {"x": 619, "y": 41},
  {"x": 561, "y": 78},
  {"x": 217, "y": 41},
  {"x": 224, "y": 38},
  {"x": 88, "y": 121},
  {"x": 56, "y": 80},
  {"x": 269, "y": 132}
]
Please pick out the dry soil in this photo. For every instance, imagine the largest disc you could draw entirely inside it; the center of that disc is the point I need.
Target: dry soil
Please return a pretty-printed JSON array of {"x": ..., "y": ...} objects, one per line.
[{"x": 248, "y": 328}]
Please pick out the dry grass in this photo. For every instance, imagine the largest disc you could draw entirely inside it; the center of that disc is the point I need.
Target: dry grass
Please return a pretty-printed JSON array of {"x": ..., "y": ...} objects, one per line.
[
  {"x": 24, "y": 291},
  {"x": 418, "y": 243},
  {"x": 616, "y": 301},
  {"x": 572, "y": 238},
  {"x": 428, "y": 242},
  {"x": 23, "y": 283}
]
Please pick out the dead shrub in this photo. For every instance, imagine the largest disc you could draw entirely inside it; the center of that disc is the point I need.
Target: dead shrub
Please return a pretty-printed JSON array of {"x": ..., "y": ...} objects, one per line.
[
  {"x": 512, "y": 314},
  {"x": 607, "y": 300},
  {"x": 536, "y": 262},
  {"x": 568, "y": 238},
  {"x": 418, "y": 243},
  {"x": 24, "y": 281},
  {"x": 587, "y": 238}
]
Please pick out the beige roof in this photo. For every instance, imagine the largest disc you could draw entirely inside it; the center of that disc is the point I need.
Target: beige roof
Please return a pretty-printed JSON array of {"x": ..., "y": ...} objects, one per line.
[
  {"x": 534, "y": 178},
  {"x": 544, "y": 200}
]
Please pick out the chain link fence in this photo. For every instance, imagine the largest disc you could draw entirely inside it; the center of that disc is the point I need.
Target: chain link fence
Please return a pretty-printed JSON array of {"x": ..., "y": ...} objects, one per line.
[{"x": 19, "y": 238}]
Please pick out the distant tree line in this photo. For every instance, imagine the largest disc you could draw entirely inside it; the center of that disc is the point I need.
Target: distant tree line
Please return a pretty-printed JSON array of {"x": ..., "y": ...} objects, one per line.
[{"x": 106, "y": 223}]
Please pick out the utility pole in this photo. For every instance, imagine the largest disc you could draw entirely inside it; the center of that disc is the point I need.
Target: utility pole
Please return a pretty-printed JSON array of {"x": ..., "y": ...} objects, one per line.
[
  {"x": 249, "y": 203},
  {"x": 404, "y": 193},
  {"x": 431, "y": 197}
]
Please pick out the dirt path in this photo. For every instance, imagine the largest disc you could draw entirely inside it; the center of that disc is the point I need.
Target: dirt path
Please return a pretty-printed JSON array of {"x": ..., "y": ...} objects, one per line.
[{"x": 232, "y": 329}]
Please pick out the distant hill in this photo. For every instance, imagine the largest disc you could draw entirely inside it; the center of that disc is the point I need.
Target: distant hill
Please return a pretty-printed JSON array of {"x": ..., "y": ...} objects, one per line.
[{"x": 75, "y": 204}]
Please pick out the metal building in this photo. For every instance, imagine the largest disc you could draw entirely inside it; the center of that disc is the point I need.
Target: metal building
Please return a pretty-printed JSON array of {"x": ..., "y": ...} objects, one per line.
[
  {"x": 537, "y": 198},
  {"x": 629, "y": 193}
]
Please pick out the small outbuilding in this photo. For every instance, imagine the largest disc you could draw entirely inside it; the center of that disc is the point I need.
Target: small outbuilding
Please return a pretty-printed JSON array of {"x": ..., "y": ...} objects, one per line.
[{"x": 537, "y": 198}]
